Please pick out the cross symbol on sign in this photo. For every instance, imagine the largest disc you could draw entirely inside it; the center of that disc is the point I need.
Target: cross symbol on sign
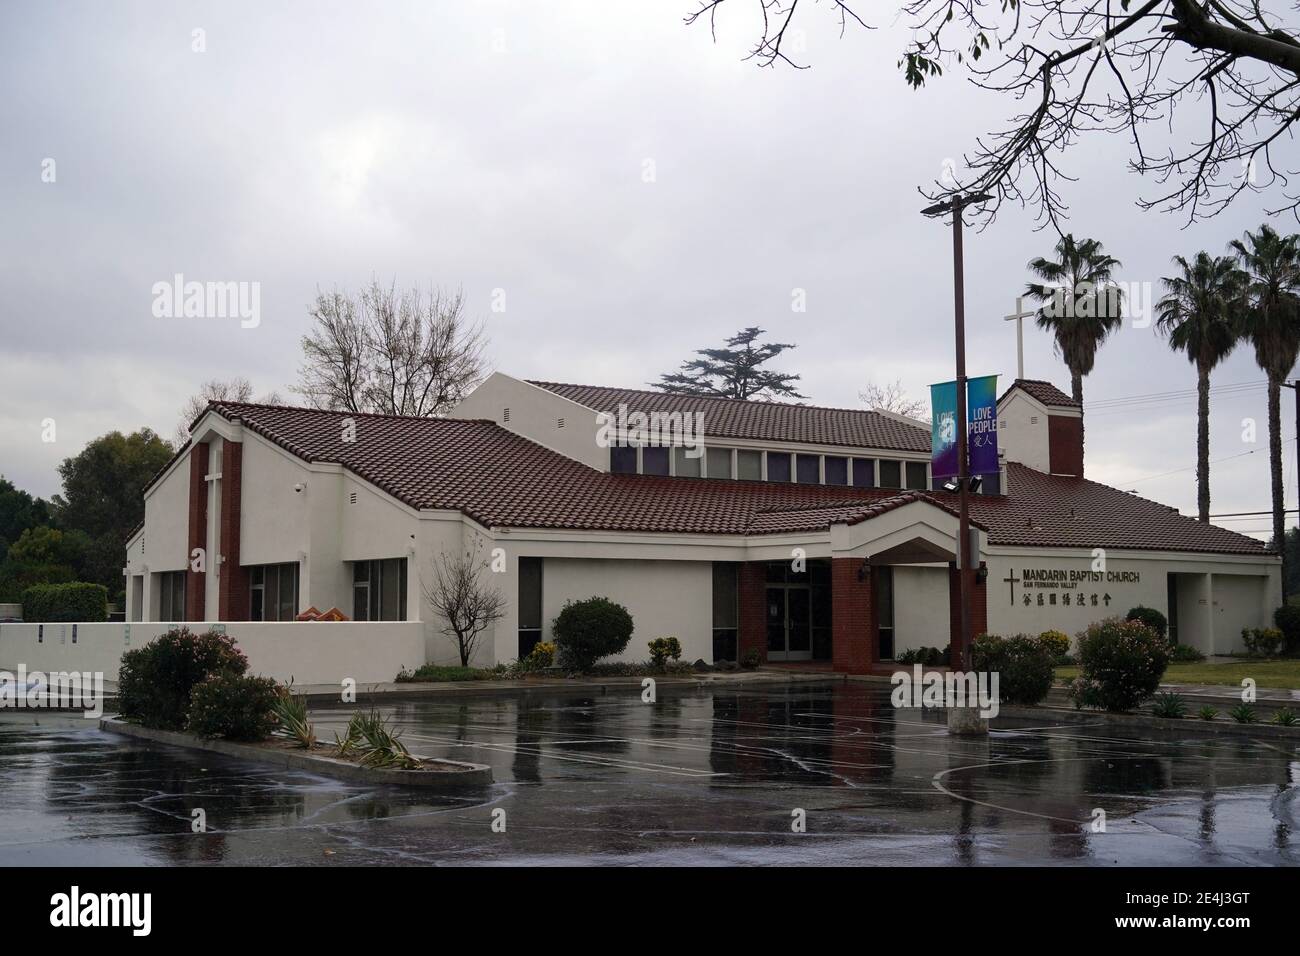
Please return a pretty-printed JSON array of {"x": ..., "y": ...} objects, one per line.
[{"x": 1012, "y": 580}]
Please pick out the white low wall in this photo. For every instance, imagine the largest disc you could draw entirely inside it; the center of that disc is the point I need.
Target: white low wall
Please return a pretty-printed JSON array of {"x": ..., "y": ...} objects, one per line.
[{"x": 306, "y": 652}]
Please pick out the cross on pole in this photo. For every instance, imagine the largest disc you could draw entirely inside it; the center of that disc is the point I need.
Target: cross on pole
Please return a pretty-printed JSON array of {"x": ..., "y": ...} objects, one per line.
[{"x": 1019, "y": 317}]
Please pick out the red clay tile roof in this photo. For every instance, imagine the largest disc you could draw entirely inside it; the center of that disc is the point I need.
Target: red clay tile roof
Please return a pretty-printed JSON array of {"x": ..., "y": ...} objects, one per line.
[
  {"x": 1045, "y": 392},
  {"x": 759, "y": 421},
  {"x": 501, "y": 479}
]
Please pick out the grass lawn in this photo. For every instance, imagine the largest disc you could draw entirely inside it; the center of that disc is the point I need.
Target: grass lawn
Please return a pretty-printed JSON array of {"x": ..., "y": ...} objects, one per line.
[
  {"x": 439, "y": 672},
  {"x": 1277, "y": 673}
]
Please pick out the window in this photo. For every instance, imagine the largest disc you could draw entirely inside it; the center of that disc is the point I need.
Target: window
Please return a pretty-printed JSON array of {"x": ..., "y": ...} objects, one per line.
[
  {"x": 864, "y": 472},
  {"x": 273, "y": 592},
  {"x": 891, "y": 474},
  {"x": 778, "y": 466},
  {"x": 916, "y": 479},
  {"x": 171, "y": 596},
  {"x": 530, "y": 604},
  {"x": 749, "y": 465},
  {"x": 808, "y": 469},
  {"x": 622, "y": 460},
  {"x": 992, "y": 483},
  {"x": 719, "y": 462},
  {"x": 654, "y": 461},
  {"x": 837, "y": 470},
  {"x": 379, "y": 590},
  {"x": 725, "y": 617},
  {"x": 686, "y": 466}
]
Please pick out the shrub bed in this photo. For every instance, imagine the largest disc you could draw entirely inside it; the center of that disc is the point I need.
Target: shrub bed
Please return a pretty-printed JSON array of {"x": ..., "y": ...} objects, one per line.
[
  {"x": 234, "y": 707},
  {"x": 586, "y": 631},
  {"x": 1023, "y": 664}
]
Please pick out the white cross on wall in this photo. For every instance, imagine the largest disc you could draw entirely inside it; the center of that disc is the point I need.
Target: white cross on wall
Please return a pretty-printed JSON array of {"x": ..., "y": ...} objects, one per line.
[{"x": 1019, "y": 317}]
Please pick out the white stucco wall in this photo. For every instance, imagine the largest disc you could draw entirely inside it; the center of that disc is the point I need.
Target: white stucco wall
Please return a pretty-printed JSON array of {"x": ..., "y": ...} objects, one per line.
[
  {"x": 535, "y": 413},
  {"x": 920, "y": 607},
  {"x": 1020, "y": 437}
]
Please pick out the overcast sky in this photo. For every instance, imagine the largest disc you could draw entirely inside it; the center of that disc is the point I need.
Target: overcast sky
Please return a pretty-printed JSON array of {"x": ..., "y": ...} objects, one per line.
[{"x": 506, "y": 146}]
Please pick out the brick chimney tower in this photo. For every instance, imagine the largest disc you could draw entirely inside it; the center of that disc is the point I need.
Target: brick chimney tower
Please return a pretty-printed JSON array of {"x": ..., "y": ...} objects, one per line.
[{"x": 1041, "y": 427}]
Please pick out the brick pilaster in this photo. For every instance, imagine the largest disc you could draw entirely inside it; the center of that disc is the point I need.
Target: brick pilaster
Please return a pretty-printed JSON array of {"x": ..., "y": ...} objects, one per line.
[
  {"x": 233, "y": 590},
  {"x": 197, "y": 536},
  {"x": 979, "y": 613},
  {"x": 855, "y": 631},
  {"x": 751, "y": 609}
]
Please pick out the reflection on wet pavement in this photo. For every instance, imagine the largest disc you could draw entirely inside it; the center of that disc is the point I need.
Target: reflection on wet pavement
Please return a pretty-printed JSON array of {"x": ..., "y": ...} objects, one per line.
[{"x": 698, "y": 777}]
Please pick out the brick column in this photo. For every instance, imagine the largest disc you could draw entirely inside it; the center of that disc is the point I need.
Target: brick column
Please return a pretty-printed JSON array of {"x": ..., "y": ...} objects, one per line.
[
  {"x": 751, "y": 601},
  {"x": 979, "y": 612},
  {"x": 233, "y": 589},
  {"x": 197, "y": 536},
  {"x": 855, "y": 633}
]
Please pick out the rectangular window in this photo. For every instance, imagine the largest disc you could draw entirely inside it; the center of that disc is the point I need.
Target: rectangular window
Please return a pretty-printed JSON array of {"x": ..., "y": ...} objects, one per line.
[
  {"x": 654, "y": 461},
  {"x": 719, "y": 462},
  {"x": 992, "y": 483},
  {"x": 749, "y": 465},
  {"x": 864, "y": 472},
  {"x": 171, "y": 596},
  {"x": 808, "y": 469},
  {"x": 837, "y": 470},
  {"x": 379, "y": 590},
  {"x": 891, "y": 474},
  {"x": 622, "y": 460},
  {"x": 273, "y": 592},
  {"x": 686, "y": 466},
  {"x": 530, "y": 604},
  {"x": 916, "y": 478},
  {"x": 725, "y": 614},
  {"x": 778, "y": 466}
]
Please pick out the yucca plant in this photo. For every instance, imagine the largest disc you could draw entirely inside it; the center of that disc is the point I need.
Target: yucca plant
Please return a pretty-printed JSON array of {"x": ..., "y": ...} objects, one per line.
[
  {"x": 1169, "y": 706},
  {"x": 1285, "y": 716},
  {"x": 346, "y": 745},
  {"x": 1208, "y": 713},
  {"x": 291, "y": 711},
  {"x": 1243, "y": 714},
  {"x": 380, "y": 746}
]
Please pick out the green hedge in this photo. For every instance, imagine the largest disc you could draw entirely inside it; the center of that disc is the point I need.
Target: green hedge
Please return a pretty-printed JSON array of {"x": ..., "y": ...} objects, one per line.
[{"x": 53, "y": 603}]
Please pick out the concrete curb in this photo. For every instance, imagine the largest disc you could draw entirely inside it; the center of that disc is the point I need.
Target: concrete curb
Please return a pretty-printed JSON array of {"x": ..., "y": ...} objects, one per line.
[
  {"x": 1146, "y": 723},
  {"x": 531, "y": 687},
  {"x": 466, "y": 774}
]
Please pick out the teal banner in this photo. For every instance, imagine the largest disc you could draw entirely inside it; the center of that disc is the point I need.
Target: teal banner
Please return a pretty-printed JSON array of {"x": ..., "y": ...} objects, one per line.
[
  {"x": 943, "y": 430},
  {"x": 981, "y": 427}
]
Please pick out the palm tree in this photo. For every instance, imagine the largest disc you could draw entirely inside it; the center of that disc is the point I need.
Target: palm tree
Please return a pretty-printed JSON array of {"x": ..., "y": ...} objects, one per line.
[
  {"x": 1271, "y": 323},
  {"x": 1197, "y": 314},
  {"x": 1080, "y": 303}
]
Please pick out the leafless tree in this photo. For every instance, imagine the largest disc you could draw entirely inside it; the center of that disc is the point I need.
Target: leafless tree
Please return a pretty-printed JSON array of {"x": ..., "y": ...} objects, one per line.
[
  {"x": 894, "y": 398},
  {"x": 1206, "y": 91},
  {"x": 237, "y": 389},
  {"x": 412, "y": 353},
  {"x": 469, "y": 605}
]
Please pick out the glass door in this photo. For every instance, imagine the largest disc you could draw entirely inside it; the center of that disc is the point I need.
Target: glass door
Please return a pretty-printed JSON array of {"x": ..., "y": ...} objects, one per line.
[{"x": 789, "y": 622}]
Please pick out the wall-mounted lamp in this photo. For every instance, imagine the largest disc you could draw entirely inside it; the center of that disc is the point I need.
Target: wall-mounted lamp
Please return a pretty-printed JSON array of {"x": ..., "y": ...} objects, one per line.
[
  {"x": 981, "y": 573},
  {"x": 864, "y": 569}
]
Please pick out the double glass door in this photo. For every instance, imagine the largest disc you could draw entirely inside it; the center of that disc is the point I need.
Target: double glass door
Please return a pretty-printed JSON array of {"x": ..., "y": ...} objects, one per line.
[{"x": 789, "y": 622}]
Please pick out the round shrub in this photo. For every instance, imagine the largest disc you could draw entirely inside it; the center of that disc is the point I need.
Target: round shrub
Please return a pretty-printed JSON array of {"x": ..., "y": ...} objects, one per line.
[
  {"x": 1023, "y": 664},
  {"x": 1287, "y": 619},
  {"x": 234, "y": 706},
  {"x": 1122, "y": 664},
  {"x": 154, "y": 682},
  {"x": 664, "y": 649},
  {"x": 1057, "y": 644},
  {"x": 586, "y": 631},
  {"x": 1150, "y": 617}
]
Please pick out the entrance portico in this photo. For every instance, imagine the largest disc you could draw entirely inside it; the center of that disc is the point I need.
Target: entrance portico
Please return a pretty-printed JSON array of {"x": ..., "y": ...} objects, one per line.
[{"x": 783, "y": 605}]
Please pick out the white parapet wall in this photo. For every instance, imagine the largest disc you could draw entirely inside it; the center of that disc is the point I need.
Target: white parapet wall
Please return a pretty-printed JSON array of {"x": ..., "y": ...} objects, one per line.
[{"x": 308, "y": 652}]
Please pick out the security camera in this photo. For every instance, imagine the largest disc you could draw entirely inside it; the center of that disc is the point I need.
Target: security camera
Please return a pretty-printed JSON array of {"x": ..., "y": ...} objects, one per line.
[{"x": 299, "y": 487}]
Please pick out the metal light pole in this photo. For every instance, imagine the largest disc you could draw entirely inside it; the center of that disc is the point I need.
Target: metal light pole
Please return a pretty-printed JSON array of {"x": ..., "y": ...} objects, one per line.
[{"x": 965, "y": 572}]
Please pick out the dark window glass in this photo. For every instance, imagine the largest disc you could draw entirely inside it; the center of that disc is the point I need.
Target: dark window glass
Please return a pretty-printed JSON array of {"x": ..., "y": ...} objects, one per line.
[
  {"x": 719, "y": 462},
  {"x": 837, "y": 470},
  {"x": 992, "y": 484},
  {"x": 724, "y": 594},
  {"x": 808, "y": 469},
  {"x": 864, "y": 472},
  {"x": 891, "y": 474},
  {"x": 390, "y": 603},
  {"x": 530, "y": 604},
  {"x": 916, "y": 479},
  {"x": 622, "y": 460},
  {"x": 776, "y": 571},
  {"x": 778, "y": 466},
  {"x": 749, "y": 465},
  {"x": 654, "y": 461}
]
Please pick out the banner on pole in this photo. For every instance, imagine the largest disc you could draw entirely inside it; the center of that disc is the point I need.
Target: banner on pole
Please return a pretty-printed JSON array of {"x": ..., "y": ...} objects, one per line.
[{"x": 981, "y": 427}]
